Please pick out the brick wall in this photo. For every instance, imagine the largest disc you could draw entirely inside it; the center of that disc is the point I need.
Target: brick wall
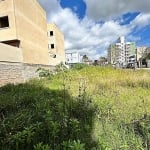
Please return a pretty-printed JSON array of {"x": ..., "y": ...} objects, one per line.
[
  {"x": 10, "y": 73},
  {"x": 19, "y": 72}
]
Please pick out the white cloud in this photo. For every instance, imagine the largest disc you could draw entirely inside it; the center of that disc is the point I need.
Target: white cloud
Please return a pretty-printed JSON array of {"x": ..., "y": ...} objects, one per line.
[
  {"x": 99, "y": 9},
  {"x": 87, "y": 36},
  {"x": 141, "y": 20}
]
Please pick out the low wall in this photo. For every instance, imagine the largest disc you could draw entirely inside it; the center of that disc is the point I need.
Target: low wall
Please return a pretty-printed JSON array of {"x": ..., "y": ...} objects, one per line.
[
  {"x": 10, "y": 73},
  {"x": 14, "y": 72},
  {"x": 30, "y": 70}
]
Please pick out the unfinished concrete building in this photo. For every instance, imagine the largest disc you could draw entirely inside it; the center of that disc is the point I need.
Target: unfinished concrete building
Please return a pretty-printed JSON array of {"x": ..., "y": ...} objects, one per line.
[
  {"x": 23, "y": 24},
  {"x": 23, "y": 40},
  {"x": 55, "y": 44}
]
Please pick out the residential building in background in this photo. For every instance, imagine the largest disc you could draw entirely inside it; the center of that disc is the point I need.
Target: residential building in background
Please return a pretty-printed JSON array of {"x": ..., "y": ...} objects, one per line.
[
  {"x": 130, "y": 52},
  {"x": 24, "y": 43},
  {"x": 73, "y": 58},
  {"x": 147, "y": 50},
  {"x": 55, "y": 44},
  {"x": 143, "y": 56},
  {"x": 121, "y": 53},
  {"x": 112, "y": 54},
  {"x": 86, "y": 60},
  {"x": 140, "y": 52}
]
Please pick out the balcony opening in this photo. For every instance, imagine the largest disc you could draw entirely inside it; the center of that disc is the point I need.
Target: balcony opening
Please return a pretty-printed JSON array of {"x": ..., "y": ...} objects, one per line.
[
  {"x": 15, "y": 43},
  {"x": 4, "y": 22}
]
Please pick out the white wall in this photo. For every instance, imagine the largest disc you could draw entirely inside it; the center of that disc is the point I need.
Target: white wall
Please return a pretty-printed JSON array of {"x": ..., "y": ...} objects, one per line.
[{"x": 73, "y": 57}]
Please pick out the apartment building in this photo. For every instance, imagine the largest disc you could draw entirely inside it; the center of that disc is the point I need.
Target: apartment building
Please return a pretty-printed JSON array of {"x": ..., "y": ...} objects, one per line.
[
  {"x": 23, "y": 26},
  {"x": 121, "y": 52},
  {"x": 140, "y": 51},
  {"x": 112, "y": 53},
  {"x": 55, "y": 44},
  {"x": 142, "y": 55},
  {"x": 130, "y": 52}
]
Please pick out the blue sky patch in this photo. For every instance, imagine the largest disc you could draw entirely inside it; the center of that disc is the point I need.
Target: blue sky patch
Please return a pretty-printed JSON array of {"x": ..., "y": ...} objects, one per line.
[
  {"x": 144, "y": 34},
  {"x": 77, "y": 6},
  {"x": 128, "y": 17}
]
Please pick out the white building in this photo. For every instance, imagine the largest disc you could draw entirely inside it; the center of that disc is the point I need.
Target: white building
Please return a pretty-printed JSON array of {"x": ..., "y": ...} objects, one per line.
[
  {"x": 73, "y": 57},
  {"x": 121, "y": 52},
  {"x": 142, "y": 53}
]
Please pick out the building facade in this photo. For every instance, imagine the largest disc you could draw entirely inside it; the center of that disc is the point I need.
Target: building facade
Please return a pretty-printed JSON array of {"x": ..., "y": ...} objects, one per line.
[
  {"x": 24, "y": 40},
  {"x": 130, "y": 52},
  {"x": 142, "y": 55},
  {"x": 23, "y": 24},
  {"x": 73, "y": 58},
  {"x": 140, "y": 51},
  {"x": 55, "y": 44},
  {"x": 121, "y": 52},
  {"x": 112, "y": 53}
]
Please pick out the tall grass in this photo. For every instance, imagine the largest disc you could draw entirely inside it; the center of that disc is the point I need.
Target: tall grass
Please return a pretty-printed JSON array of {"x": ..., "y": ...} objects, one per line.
[
  {"x": 82, "y": 108},
  {"x": 123, "y": 100}
]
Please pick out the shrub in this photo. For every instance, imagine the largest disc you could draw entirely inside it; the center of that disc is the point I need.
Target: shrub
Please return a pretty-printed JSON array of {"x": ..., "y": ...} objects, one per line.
[
  {"x": 60, "y": 67},
  {"x": 44, "y": 72},
  {"x": 34, "y": 117},
  {"x": 78, "y": 66}
]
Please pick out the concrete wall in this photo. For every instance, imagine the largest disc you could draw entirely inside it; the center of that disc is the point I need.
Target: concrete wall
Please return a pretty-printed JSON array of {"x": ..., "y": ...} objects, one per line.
[
  {"x": 31, "y": 31},
  {"x": 58, "y": 40},
  {"x": 10, "y": 53},
  {"x": 10, "y": 73}
]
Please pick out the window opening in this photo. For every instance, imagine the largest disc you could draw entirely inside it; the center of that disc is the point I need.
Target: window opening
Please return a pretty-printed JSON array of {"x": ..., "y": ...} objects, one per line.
[
  {"x": 4, "y": 22},
  {"x": 51, "y": 33},
  {"x": 52, "y": 46}
]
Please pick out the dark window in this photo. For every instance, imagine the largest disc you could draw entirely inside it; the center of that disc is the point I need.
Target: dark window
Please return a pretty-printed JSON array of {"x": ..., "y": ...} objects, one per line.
[
  {"x": 52, "y": 46},
  {"x": 51, "y": 33},
  {"x": 4, "y": 22}
]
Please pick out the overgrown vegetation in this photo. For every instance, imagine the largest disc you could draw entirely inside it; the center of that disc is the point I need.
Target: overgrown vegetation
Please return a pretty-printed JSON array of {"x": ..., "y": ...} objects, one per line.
[
  {"x": 78, "y": 66},
  {"x": 85, "y": 108}
]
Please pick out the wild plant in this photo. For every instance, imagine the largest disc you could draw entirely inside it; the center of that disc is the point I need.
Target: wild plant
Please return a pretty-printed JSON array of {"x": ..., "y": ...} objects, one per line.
[
  {"x": 41, "y": 146},
  {"x": 90, "y": 108}
]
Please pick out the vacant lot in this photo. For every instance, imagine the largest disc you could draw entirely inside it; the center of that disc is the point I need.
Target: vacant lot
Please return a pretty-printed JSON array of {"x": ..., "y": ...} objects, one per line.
[{"x": 81, "y": 108}]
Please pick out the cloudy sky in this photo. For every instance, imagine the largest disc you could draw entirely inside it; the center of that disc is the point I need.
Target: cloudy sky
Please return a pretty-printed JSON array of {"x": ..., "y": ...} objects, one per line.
[{"x": 89, "y": 26}]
